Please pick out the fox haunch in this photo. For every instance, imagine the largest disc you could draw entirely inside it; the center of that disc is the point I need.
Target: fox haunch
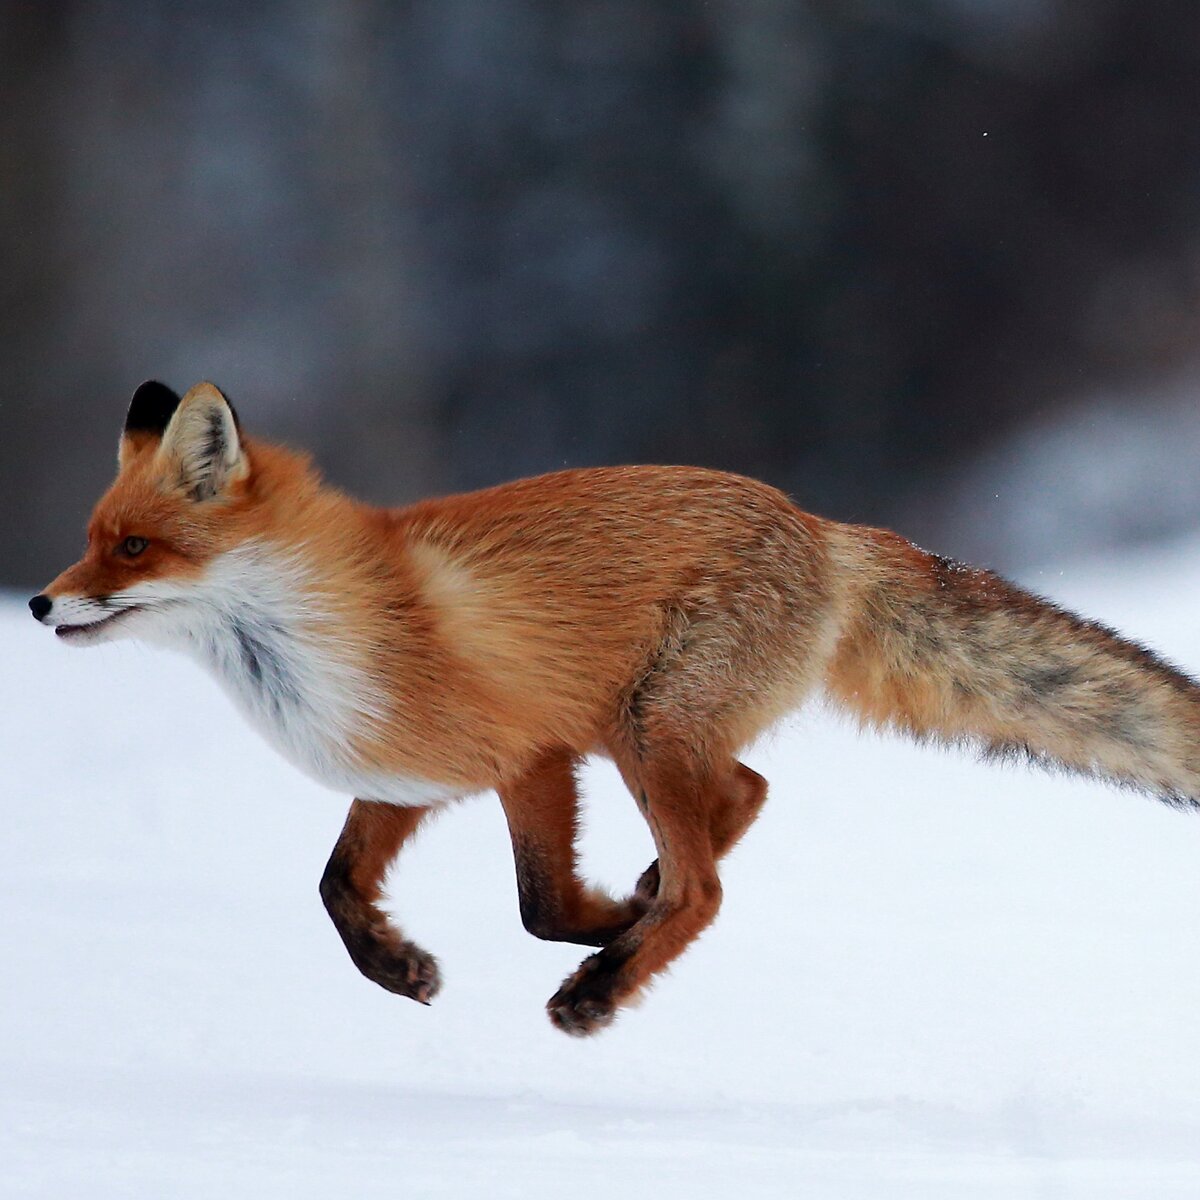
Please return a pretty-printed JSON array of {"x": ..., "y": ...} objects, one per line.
[{"x": 661, "y": 616}]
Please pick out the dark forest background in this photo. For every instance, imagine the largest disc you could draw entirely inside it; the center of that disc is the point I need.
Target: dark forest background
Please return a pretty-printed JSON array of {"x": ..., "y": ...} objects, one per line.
[{"x": 853, "y": 248}]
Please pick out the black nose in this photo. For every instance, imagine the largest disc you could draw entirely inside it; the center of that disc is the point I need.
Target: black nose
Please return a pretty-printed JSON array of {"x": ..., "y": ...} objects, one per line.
[{"x": 40, "y": 606}]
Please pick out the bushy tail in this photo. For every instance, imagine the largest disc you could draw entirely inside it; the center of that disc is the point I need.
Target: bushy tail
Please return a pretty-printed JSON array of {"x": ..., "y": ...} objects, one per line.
[{"x": 942, "y": 650}]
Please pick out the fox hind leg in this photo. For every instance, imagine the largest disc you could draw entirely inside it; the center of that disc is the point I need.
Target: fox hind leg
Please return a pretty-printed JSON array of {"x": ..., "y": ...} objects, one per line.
[
  {"x": 740, "y": 803},
  {"x": 677, "y": 800},
  {"x": 735, "y": 808}
]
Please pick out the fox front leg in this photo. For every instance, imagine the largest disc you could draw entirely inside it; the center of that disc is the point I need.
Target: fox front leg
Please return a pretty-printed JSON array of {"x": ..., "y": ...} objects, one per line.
[
  {"x": 542, "y": 808},
  {"x": 352, "y": 887}
]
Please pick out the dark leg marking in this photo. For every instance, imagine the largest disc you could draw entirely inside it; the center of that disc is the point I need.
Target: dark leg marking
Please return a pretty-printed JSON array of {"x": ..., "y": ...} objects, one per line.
[
  {"x": 587, "y": 1001},
  {"x": 351, "y": 888},
  {"x": 375, "y": 949},
  {"x": 542, "y": 906}
]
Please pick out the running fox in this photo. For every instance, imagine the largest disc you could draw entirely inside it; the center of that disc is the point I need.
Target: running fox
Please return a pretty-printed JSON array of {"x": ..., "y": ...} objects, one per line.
[{"x": 662, "y": 616}]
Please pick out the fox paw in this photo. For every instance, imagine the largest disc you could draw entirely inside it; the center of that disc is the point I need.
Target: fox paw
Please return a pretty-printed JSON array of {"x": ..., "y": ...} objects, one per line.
[
  {"x": 402, "y": 968},
  {"x": 587, "y": 1001}
]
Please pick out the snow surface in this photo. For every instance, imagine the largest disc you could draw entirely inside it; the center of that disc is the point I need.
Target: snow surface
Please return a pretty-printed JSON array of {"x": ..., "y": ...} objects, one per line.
[{"x": 931, "y": 977}]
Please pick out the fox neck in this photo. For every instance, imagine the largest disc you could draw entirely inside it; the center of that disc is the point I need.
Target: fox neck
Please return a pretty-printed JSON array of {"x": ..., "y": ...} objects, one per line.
[
  {"x": 273, "y": 640},
  {"x": 275, "y": 636}
]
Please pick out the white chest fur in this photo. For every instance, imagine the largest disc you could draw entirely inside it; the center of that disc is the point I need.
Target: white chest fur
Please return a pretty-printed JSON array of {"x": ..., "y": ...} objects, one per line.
[{"x": 275, "y": 643}]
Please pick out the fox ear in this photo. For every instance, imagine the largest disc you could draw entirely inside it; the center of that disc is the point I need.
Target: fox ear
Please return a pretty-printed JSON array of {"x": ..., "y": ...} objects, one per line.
[
  {"x": 151, "y": 408},
  {"x": 150, "y": 411},
  {"x": 201, "y": 448}
]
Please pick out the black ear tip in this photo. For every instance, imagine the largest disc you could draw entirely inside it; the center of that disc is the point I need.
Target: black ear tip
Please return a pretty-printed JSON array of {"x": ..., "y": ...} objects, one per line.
[{"x": 152, "y": 406}]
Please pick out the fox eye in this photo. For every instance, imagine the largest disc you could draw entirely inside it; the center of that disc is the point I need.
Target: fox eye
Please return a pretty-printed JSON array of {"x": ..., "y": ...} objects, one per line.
[{"x": 133, "y": 546}]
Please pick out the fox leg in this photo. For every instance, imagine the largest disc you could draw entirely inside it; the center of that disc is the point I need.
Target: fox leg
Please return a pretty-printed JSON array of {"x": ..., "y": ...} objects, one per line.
[
  {"x": 542, "y": 808},
  {"x": 737, "y": 804},
  {"x": 677, "y": 799},
  {"x": 352, "y": 887},
  {"x": 741, "y": 801}
]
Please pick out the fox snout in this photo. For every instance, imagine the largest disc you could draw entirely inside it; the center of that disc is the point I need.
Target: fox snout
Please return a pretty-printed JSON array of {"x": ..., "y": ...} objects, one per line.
[{"x": 81, "y": 619}]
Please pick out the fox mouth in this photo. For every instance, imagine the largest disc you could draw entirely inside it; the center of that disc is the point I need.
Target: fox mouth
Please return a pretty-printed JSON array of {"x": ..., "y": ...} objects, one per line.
[{"x": 74, "y": 631}]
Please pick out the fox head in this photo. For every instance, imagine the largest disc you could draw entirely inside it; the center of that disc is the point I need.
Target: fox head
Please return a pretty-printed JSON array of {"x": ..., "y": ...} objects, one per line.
[{"x": 182, "y": 496}]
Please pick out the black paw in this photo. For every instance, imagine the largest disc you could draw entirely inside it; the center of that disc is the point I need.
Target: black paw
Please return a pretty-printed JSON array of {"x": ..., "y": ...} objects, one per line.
[
  {"x": 587, "y": 1002},
  {"x": 399, "y": 967}
]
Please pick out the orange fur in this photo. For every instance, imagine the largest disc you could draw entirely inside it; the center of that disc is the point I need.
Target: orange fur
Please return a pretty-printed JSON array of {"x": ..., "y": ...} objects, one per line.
[{"x": 663, "y": 616}]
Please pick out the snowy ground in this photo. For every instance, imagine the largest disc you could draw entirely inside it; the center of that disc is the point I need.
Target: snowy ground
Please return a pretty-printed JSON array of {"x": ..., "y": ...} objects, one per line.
[{"x": 931, "y": 978}]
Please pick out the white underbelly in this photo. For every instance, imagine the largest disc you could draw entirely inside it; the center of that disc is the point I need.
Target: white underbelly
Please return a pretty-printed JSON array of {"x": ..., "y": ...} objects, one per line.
[
  {"x": 407, "y": 791},
  {"x": 302, "y": 740}
]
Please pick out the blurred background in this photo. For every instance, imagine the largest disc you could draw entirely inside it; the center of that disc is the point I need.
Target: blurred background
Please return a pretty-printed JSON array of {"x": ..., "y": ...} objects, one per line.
[{"x": 929, "y": 263}]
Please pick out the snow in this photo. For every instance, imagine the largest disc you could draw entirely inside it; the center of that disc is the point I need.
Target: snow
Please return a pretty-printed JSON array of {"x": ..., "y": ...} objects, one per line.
[{"x": 931, "y": 977}]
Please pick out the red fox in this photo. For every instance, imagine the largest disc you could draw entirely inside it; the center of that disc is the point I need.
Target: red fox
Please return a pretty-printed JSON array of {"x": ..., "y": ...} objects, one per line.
[{"x": 662, "y": 616}]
